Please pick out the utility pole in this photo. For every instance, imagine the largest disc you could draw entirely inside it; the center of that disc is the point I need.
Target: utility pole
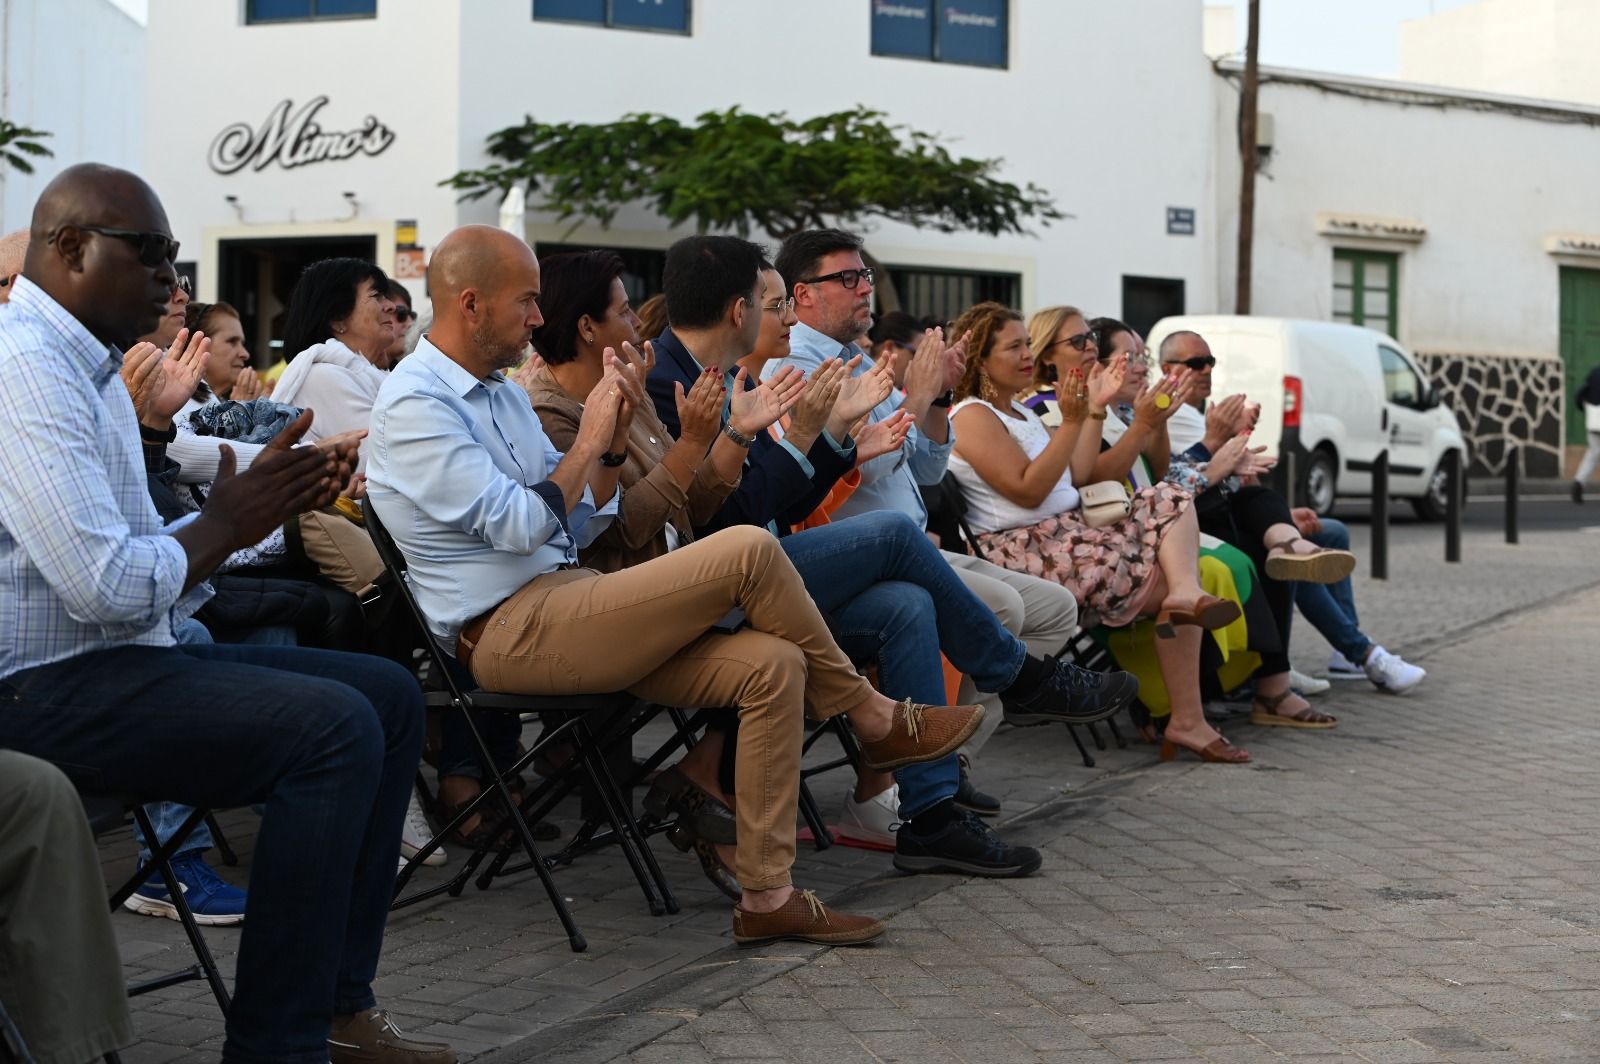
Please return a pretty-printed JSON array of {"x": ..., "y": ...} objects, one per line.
[{"x": 1247, "y": 160}]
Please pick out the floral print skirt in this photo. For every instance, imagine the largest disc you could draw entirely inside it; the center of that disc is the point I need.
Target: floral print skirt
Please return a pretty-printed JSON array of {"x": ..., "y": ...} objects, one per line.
[{"x": 1110, "y": 570}]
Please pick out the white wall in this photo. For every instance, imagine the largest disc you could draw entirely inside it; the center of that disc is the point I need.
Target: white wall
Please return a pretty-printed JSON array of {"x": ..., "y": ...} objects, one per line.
[
  {"x": 400, "y": 67},
  {"x": 1102, "y": 105},
  {"x": 1540, "y": 48},
  {"x": 1489, "y": 187},
  {"x": 75, "y": 69}
]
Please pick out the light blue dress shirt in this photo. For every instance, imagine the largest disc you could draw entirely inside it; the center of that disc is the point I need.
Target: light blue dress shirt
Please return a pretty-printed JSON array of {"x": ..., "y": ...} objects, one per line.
[
  {"x": 888, "y": 482},
  {"x": 453, "y": 463},
  {"x": 85, "y": 563}
]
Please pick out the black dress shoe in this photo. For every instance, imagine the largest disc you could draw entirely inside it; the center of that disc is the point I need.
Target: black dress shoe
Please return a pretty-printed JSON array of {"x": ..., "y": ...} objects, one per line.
[
  {"x": 970, "y": 798},
  {"x": 707, "y": 816}
]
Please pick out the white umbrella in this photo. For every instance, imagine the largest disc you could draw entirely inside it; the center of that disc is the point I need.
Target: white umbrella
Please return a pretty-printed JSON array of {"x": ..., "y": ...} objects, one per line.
[{"x": 512, "y": 210}]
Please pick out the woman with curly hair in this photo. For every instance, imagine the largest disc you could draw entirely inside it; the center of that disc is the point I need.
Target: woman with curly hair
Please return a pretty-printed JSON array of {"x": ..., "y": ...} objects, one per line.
[{"x": 1019, "y": 481}]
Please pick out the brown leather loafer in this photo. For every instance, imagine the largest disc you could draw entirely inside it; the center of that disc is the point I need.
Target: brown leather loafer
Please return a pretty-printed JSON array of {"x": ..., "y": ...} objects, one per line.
[
  {"x": 804, "y": 918},
  {"x": 372, "y": 1038},
  {"x": 922, "y": 733}
]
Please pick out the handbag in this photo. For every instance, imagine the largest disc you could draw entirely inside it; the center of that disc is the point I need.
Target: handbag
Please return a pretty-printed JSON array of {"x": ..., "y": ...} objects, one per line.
[{"x": 1104, "y": 503}]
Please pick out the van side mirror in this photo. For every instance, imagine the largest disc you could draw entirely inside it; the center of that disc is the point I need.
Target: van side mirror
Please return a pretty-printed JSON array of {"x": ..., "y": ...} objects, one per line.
[{"x": 1431, "y": 398}]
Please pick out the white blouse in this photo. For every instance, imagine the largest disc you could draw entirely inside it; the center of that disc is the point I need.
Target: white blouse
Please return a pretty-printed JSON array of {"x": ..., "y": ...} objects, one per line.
[
  {"x": 987, "y": 509},
  {"x": 337, "y": 384}
]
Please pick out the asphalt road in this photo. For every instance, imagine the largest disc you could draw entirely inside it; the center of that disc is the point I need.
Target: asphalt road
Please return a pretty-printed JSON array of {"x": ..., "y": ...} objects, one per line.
[{"x": 1537, "y": 513}]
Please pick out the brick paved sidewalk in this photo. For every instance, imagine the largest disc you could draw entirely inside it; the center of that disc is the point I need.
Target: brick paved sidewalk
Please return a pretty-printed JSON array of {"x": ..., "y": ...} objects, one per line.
[{"x": 1149, "y": 870}]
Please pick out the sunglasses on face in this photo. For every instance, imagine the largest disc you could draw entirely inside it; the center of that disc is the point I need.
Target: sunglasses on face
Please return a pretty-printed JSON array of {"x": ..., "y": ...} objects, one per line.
[
  {"x": 154, "y": 248},
  {"x": 1078, "y": 342},
  {"x": 846, "y": 278},
  {"x": 403, "y": 313},
  {"x": 1198, "y": 363}
]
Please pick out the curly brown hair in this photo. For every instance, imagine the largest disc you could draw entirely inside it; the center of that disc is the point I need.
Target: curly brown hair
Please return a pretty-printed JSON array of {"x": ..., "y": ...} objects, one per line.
[{"x": 983, "y": 321}]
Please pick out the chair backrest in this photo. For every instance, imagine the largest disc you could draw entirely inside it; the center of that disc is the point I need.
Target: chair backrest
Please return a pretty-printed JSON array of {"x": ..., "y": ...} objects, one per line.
[
  {"x": 955, "y": 503},
  {"x": 444, "y": 665}
]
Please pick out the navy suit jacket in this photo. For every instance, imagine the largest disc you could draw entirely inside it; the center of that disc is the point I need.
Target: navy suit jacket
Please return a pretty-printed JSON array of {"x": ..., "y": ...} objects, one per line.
[{"x": 775, "y": 488}]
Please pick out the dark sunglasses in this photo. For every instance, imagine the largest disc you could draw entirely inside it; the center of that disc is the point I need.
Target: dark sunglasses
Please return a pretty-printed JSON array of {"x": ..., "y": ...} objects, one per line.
[
  {"x": 846, "y": 278},
  {"x": 1198, "y": 363},
  {"x": 1080, "y": 342},
  {"x": 185, "y": 284},
  {"x": 403, "y": 314},
  {"x": 154, "y": 248}
]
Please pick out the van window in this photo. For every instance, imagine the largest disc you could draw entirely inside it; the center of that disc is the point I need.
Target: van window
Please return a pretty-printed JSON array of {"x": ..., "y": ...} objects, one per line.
[{"x": 1400, "y": 382}]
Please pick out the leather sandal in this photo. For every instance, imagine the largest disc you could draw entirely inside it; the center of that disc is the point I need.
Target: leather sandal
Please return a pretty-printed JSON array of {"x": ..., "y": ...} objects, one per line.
[
  {"x": 1264, "y": 711},
  {"x": 1219, "y": 751},
  {"x": 711, "y": 863},
  {"x": 1323, "y": 565},
  {"x": 493, "y": 825},
  {"x": 1207, "y": 611}
]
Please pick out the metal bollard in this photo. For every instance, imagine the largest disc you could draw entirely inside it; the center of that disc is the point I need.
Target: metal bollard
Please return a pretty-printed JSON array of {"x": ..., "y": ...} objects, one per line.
[
  {"x": 1380, "y": 516},
  {"x": 1452, "y": 509},
  {"x": 1513, "y": 492}
]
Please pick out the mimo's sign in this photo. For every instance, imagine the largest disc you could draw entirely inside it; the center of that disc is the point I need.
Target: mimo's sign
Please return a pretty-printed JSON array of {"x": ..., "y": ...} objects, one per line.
[{"x": 294, "y": 140}]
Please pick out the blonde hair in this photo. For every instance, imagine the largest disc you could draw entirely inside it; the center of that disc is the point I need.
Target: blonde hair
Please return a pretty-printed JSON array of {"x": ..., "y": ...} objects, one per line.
[
  {"x": 1042, "y": 328},
  {"x": 983, "y": 321},
  {"x": 13, "y": 249}
]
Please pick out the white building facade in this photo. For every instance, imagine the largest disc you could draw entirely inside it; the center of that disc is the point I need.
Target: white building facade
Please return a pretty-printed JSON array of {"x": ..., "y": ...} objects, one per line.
[{"x": 415, "y": 87}]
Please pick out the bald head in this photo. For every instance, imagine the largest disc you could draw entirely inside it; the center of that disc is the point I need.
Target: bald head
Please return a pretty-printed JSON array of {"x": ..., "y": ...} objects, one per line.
[
  {"x": 485, "y": 288},
  {"x": 13, "y": 247},
  {"x": 99, "y": 277}
]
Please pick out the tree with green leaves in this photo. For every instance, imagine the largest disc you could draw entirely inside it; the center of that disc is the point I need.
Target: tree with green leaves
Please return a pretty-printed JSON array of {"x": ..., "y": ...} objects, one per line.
[
  {"x": 731, "y": 170},
  {"x": 19, "y": 142}
]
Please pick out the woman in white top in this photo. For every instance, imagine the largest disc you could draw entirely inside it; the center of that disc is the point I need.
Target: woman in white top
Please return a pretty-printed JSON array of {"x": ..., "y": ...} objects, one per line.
[
  {"x": 339, "y": 330},
  {"x": 1018, "y": 478}
]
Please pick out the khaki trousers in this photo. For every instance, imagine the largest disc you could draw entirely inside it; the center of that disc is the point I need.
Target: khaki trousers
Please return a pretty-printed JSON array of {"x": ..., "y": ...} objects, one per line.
[
  {"x": 1041, "y": 613},
  {"x": 644, "y": 630}
]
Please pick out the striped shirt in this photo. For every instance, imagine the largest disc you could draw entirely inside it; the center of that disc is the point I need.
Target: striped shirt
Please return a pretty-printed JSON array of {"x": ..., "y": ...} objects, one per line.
[{"x": 83, "y": 561}]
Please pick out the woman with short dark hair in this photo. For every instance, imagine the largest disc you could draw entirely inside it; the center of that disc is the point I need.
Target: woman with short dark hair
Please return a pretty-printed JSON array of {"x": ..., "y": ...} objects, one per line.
[{"x": 340, "y": 328}]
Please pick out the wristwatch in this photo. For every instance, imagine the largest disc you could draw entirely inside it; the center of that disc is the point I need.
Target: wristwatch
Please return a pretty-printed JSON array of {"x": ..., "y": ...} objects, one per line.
[
  {"x": 946, "y": 400},
  {"x": 736, "y": 436},
  {"x": 613, "y": 460},
  {"x": 1101, "y": 416}
]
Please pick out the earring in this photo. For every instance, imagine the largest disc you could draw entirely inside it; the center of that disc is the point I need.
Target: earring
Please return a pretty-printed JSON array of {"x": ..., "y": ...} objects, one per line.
[{"x": 985, "y": 388}]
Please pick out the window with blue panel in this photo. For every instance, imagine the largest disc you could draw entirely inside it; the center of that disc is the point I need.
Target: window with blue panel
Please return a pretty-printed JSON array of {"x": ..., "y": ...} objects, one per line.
[
  {"x": 973, "y": 32},
  {"x": 306, "y": 10},
  {"x": 662, "y": 16}
]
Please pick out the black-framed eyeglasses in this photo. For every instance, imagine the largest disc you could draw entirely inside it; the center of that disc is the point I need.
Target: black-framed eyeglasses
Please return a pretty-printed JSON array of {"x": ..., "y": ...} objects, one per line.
[
  {"x": 1078, "y": 342},
  {"x": 846, "y": 278},
  {"x": 154, "y": 248},
  {"x": 1197, "y": 363},
  {"x": 780, "y": 306}
]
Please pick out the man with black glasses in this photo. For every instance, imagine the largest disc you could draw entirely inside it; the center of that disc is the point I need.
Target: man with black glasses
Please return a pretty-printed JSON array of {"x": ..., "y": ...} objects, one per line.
[
  {"x": 832, "y": 289},
  {"x": 91, "y": 678}
]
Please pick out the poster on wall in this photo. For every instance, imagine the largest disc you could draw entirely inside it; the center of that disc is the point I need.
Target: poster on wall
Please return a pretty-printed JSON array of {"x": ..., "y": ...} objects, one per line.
[
  {"x": 903, "y": 27},
  {"x": 410, "y": 264},
  {"x": 973, "y": 31}
]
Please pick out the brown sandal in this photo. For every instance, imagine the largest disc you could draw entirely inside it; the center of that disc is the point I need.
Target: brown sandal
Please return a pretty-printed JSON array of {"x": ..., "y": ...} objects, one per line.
[
  {"x": 1265, "y": 712},
  {"x": 1321, "y": 566},
  {"x": 1218, "y": 751},
  {"x": 1207, "y": 612}
]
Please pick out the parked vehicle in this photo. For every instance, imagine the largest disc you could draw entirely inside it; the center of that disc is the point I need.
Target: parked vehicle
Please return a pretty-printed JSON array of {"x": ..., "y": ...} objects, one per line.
[{"x": 1334, "y": 397}]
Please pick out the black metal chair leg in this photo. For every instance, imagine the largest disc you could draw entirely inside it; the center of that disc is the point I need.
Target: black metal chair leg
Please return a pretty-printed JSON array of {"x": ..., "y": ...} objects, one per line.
[
  {"x": 220, "y": 841},
  {"x": 1116, "y": 733},
  {"x": 821, "y": 837},
  {"x": 1094, "y": 733},
  {"x": 605, "y": 787},
  {"x": 162, "y": 859},
  {"x": 1088, "y": 760},
  {"x": 574, "y": 936}
]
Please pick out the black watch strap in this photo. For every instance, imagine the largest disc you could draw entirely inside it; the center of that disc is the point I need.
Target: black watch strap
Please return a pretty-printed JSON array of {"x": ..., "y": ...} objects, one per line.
[
  {"x": 946, "y": 400},
  {"x": 611, "y": 461}
]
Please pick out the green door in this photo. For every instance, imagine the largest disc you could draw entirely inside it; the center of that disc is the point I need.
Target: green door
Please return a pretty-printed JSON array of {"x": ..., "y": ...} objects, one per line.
[{"x": 1580, "y": 339}]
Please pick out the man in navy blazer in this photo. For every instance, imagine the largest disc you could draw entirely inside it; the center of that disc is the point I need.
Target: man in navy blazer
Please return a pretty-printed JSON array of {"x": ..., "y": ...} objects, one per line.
[{"x": 888, "y": 594}]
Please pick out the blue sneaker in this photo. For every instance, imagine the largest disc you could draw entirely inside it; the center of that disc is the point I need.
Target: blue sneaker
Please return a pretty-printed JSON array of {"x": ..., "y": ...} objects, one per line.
[{"x": 214, "y": 902}]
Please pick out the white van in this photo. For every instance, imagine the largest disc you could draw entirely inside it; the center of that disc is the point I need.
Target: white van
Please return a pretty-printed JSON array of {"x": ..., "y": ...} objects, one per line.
[{"x": 1334, "y": 396}]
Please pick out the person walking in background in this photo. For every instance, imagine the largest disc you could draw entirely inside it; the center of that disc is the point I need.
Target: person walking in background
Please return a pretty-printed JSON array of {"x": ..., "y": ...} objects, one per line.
[{"x": 1589, "y": 395}]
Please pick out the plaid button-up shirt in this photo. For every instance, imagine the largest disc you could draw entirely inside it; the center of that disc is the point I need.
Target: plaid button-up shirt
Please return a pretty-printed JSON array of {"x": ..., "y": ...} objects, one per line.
[{"x": 84, "y": 563}]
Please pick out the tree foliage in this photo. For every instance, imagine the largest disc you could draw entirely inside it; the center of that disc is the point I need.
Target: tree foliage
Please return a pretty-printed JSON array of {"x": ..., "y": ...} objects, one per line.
[
  {"x": 17, "y": 142},
  {"x": 731, "y": 170}
]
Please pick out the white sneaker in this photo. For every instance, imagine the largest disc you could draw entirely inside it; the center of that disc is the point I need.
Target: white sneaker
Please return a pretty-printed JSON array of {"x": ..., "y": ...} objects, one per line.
[
  {"x": 874, "y": 820},
  {"x": 1342, "y": 668},
  {"x": 1392, "y": 674},
  {"x": 1302, "y": 684},
  {"x": 416, "y": 834}
]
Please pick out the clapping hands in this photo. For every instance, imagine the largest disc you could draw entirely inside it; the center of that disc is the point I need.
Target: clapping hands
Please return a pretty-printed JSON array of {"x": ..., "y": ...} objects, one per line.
[{"x": 159, "y": 384}]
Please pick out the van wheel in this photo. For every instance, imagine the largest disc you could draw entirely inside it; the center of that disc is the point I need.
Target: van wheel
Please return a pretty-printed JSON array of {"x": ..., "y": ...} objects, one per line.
[
  {"x": 1321, "y": 479},
  {"x": 1435, "y": 505}
]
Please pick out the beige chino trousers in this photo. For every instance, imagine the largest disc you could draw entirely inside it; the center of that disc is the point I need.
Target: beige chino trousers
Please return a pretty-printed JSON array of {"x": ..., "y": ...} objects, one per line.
[{"x": 644, "y": 630}]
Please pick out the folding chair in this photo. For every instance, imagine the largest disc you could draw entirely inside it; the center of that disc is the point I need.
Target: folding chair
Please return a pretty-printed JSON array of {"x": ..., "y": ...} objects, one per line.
[
  {"x": 107, "y": 813},
  {"x": 1081, "y": 649},
  {"x": 568, "y": 716}
]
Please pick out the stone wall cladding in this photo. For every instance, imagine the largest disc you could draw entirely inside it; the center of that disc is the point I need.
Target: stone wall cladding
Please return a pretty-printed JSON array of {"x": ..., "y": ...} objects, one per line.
[{"x": 1501, "y": 402}]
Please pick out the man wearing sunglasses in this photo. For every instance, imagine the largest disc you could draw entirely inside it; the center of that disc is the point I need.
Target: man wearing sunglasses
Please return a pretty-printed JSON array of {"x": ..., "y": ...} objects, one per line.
[{"x": 94, "y": 681}]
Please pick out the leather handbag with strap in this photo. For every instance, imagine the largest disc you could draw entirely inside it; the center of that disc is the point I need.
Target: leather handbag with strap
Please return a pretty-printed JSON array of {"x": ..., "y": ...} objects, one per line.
[{"x": 1104, "y": 503}]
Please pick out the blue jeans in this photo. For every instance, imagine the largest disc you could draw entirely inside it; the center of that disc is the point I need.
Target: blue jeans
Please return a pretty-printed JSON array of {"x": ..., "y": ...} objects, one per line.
[
  {"x": 1331, "y": 608},
  {"x": 889, "y": 596},
  {"x": 328, "y": 741}
]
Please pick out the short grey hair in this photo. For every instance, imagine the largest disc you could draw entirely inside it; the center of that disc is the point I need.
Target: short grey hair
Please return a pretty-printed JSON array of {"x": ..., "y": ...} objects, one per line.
[{"x": 1166, "y": 341}]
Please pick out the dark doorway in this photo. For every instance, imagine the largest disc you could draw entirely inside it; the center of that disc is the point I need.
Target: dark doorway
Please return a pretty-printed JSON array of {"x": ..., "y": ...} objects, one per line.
[
  {"x": 1146, "y": 300},
  {"x": 257, "y": 277}
]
